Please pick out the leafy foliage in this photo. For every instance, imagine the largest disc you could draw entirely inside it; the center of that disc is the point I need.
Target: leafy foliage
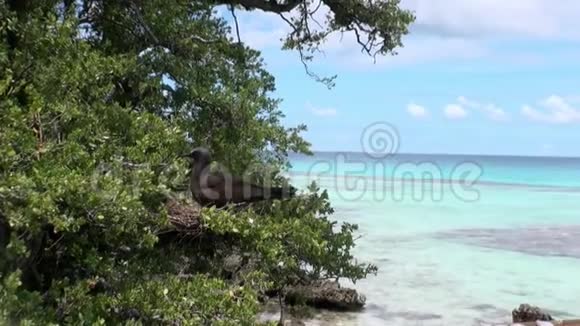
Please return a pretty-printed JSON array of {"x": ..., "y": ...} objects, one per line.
[
  {"x": 97, "y": 101},
  {"x": 293, "y": 240}
]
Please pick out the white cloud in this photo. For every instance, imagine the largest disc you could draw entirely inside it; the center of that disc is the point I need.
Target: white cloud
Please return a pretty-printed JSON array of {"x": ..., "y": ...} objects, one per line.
[
  {"x": 321, "y": 111},
  {"x": 492, "y": 111},
  {"x": 556, "y": 110},
  {"x": 572, "y": 99},
  {"x": 260, "y": 39},
  {"x": 258, "y": 29},
  {"x": 417, "y": 111},
  {"x": 464, "y": 101},
  {"x": 455, "y": 111},
  {"x": 495, "y": 113},
  {"x": 263, "y": 31},
  {"x": 419, "y": 50},
  {"x": 539, "y": 19}
]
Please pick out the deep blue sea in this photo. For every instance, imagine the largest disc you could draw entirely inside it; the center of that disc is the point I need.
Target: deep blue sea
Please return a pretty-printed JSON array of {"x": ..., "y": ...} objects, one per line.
[{"x": 459, "y": 240}]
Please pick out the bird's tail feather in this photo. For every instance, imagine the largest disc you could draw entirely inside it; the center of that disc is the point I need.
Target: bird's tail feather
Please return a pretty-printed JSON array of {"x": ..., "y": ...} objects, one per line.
[
  {"x": 271, "y": 193},
  {"x": 282, "y": 192}
]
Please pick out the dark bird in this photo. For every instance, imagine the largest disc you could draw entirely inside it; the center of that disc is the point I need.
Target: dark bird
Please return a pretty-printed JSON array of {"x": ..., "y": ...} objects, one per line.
[{"x": 219, "y": 189}]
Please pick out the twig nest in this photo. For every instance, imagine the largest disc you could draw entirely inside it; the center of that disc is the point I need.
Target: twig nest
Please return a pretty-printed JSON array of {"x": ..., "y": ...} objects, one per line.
[{"x": 184, "y": 216}]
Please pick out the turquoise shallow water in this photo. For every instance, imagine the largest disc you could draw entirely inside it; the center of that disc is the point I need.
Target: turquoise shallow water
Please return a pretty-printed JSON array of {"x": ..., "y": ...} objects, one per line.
[{"x": 456, "y": 248}]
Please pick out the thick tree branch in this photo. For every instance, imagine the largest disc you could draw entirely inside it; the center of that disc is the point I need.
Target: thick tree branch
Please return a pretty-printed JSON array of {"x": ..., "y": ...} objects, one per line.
[{"x": 266, "y": 5}]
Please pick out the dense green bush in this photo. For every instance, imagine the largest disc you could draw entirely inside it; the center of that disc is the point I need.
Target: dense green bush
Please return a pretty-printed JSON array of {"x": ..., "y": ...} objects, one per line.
[{"x": 97, "y": 100}]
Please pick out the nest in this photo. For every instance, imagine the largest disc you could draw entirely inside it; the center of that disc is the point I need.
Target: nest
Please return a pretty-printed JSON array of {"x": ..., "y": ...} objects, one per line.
[{"x": 184, "y": 216}]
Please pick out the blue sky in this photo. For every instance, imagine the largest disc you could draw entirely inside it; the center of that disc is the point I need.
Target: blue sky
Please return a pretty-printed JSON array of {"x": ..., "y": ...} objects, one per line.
[{"x": 473, "y": 77}]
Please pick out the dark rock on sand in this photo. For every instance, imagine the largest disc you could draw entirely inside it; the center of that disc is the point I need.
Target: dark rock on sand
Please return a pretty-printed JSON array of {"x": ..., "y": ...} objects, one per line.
[
  {"x": 325, "y": 295},
  {"x": 526, "y": 313}
]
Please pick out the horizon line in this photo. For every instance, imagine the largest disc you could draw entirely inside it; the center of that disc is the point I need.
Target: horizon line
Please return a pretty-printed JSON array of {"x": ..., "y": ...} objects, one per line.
[{"x": 449, "y": 154}]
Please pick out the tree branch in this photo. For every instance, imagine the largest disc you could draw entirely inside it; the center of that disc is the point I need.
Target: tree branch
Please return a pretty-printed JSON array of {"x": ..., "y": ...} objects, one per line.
[
  {"x": 233, "y": 11},
  {"x": 265, "y": 5},
  {"x": 377, "y": 25}
]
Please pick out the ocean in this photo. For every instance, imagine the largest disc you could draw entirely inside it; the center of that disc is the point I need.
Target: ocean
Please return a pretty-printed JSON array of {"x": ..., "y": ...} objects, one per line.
[{"x": 459, "y": 240}]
